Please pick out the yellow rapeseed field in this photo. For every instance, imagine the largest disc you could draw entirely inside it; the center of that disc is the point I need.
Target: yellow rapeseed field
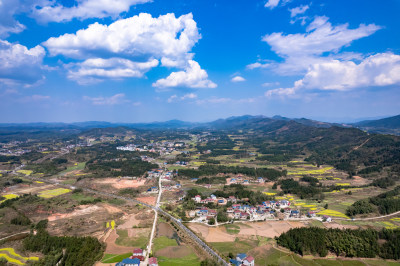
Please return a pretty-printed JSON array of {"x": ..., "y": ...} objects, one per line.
[
  {"x": 332, "y": 213},
  {"x": 5, "y": 252},
  {"x": 25, "y": 172},
  {"x": 9, "y": 196},
  {"x": 53, "y": 192},
  {"x": 343, "y": 184}
]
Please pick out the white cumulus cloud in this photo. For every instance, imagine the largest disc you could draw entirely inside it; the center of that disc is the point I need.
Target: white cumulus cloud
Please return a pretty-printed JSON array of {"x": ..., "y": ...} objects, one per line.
[
  {"x": 165, "y": 37},
  {"x": 192, "y": 77},
  {"x": 112, "y": 100},
  {"x": 374, "y": 71},
  {"x": 321, "y": 37},
  {"x": 321, "y": 41},
  {"x": 298, "y": 10},
  {"x": 97, "y": 69},
  {"x": 53, "y": 11},
  {"x": 131, "y": 47},
  {"x": 18, "y": 64},
  {"x": 271, "y": 4},
  {"x": 238, "y": 79},
  {"x": 175, "y": 98}
]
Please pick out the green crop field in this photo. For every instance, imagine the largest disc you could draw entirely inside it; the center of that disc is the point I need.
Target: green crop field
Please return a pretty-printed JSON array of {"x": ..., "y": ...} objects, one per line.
[
  {"x": 163, "y": 242},
  {"x": 139, "y": 241},
  {"x": 113, "y": 258}
]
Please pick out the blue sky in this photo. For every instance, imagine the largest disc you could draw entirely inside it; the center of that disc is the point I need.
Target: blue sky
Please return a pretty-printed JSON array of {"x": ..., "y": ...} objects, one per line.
[{"x": 143, "y": 60}]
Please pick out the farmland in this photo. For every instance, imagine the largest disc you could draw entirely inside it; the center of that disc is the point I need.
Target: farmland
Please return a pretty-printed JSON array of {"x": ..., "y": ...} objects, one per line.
[{"x": 253, "y": 184}]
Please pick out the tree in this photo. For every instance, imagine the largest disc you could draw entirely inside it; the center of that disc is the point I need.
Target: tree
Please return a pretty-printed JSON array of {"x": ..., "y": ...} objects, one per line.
[
  {"x": 222, "y": 217},
  {"x": 211, "y": 221}
]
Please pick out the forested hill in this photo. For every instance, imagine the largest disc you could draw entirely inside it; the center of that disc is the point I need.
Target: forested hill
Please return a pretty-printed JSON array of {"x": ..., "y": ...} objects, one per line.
[{"x": 348, "y": 149}]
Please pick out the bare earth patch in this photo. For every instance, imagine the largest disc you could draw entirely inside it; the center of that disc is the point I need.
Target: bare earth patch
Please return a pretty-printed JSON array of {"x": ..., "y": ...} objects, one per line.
[
  {"x": 340, "y": 226},
  {"x": 200, "y": 229},
  {"x": 174, "y": 252},
  {"x": 164, "y": 229},
  {"x": 112, "y": 209},
  {"x": 148, "y": 200},
  {"x": 268, "y": 229},
  {"x": 82, "y": 210},
  {"x": 123, "y": 183},
  {"x": 130, "y": 222},
  {"x": 213, "y": 234},
  {"x": 33, "y": 189},
  {"x": 113, "y": 248}
]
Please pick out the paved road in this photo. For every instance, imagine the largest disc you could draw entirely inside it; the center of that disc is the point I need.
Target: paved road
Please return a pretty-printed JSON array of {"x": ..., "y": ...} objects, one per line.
[
  {"x": 200, "y": 242},
  {"x": 369, "y": 218}
]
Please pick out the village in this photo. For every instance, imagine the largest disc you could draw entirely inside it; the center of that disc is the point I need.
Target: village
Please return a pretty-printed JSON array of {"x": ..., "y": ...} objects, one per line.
[{"x": 237, "y": 209}]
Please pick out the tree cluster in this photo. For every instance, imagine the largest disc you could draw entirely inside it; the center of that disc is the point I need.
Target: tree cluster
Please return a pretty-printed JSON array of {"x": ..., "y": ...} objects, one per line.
[{"x": 349, "y": 243}]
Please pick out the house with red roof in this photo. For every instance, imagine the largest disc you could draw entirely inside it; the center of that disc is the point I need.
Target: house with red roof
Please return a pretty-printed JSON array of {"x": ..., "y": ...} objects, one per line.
[
  {"x": 248, "y": 261},
  {"x": 137, "y": 254},
  {"x": 153, "y": 261}
]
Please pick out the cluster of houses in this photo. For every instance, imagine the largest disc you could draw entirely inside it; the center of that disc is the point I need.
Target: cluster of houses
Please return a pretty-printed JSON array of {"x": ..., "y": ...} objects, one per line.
[
  {"x": 242, "y": 259},
  {"x": 156, "y": 173},
  {"x": 136, "y": 258},
  {"x": 240, "y": 211},
  {"x": 243, "y": 181},
  {"x": 163, "y": 147},
  {"x": 165, "y": 187}
]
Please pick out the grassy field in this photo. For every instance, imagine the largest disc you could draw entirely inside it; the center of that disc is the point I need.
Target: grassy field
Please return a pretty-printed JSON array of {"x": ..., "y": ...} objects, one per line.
[
  {"x": 77, "y": 166},
  {"x": 25, "y": 172},
  {"x": 68, "y": 182},
  {"x": 190, "y": 260},
  {"x": 81, "y": 196},
  {"x": 139, "y": 241},
  {"x": 113, "y": 258},
  {"x": 238, "y": 246},
  {"x": 163, "y": 242},
  {"x": 232, "y": 229},
  {"x": 277, "y": 257}
]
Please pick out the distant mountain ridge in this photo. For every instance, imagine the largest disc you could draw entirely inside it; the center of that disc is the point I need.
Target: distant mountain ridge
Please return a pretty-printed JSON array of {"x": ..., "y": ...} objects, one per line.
[{"x": 390, "y": 125}]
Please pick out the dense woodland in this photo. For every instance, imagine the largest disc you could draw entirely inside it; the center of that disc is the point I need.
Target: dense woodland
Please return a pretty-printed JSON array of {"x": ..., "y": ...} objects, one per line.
[
  {"x": 349, "y": 243},
  {"x": 66, "y": 250}
]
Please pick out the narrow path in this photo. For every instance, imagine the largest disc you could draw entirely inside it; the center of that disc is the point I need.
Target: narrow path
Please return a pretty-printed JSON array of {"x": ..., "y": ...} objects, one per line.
[
  {"x": 362, "y": 144},
  {"x": 149, "y": 247},
  {"x": 370, "y": 218},
  {"x": 21, "y": 233}
]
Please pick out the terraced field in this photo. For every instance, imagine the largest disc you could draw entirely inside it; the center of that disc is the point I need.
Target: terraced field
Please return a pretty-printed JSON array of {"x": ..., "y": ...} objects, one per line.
[{"x": 13, "y": 257}]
